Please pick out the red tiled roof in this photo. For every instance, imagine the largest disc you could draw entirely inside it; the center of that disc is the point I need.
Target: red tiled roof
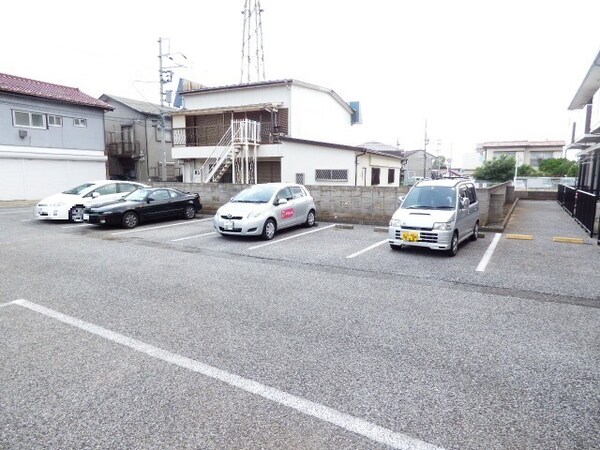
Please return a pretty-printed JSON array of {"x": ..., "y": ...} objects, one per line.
[{"x": 40, "y": 89}]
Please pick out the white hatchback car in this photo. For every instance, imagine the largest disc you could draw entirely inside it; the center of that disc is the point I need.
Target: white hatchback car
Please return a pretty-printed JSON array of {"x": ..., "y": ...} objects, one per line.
[
  {"x": 69, "y": 205},
  {"x": 262, "y": 209}
]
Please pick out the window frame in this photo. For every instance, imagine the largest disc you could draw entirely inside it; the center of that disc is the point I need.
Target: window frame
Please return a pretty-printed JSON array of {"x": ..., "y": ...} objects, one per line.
[
  {"x": 55, "y": 116},
  {"x": 331, "y": 172},
  {"x": 391, "y": 176},
  {"x": 375, "y": 176},
  {"x": 29, "y": 115},
  {"x": 79, "y": 122}
]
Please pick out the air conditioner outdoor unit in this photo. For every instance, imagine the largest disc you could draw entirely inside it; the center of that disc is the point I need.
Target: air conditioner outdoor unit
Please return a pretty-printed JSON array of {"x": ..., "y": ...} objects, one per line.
[{"x": 22, "y": 134}]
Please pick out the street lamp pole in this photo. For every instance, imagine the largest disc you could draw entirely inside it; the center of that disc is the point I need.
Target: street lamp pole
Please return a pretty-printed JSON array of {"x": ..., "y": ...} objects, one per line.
[{"x": 426, "y": 141}]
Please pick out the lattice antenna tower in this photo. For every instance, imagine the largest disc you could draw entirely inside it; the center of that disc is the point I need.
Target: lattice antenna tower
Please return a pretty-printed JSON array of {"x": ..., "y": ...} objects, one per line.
[{"x": 253, "y": 57}]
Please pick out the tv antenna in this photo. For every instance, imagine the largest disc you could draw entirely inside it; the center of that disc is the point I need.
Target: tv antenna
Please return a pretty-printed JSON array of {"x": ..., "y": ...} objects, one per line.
[{"x": 253, "y": 57}]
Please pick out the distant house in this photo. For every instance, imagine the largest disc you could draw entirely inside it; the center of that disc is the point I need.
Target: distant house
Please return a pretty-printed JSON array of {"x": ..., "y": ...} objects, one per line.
[
  {"x": 531, "y": 153},
  {"x": 585, "y": 129},
  {"x": 285, "y": 130},
  {"x": 134, "y": 140},
  {"x": 414, "y": 167},
  {"x": 51, "y": 138}
]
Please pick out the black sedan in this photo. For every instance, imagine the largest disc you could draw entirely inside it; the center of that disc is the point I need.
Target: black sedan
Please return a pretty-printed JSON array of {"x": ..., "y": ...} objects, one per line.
[{"x": 145, "y": 205}]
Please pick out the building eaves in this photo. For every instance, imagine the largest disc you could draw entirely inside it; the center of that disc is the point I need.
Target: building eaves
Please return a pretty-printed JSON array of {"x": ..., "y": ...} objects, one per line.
[
  {"x": 140, "y": 106},
  {"x": 341, "y": 147},
  {"x": 589, "y": 86},
  {"x": 284, "y": 82},
  {"x": 49, "y": 91}
]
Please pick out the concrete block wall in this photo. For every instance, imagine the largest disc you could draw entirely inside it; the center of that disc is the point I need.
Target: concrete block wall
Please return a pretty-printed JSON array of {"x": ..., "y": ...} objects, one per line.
[{"x": 345, "y": 204}]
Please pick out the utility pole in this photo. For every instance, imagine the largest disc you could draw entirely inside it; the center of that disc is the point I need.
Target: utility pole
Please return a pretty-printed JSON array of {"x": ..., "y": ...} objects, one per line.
[
  {"x": 425, "y": 142},
  {"x": 253, "y": 56},
  {"x": 165, "y": 76}
]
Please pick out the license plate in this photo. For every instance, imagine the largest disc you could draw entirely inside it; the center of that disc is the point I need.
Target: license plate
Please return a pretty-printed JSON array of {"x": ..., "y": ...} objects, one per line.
[
  {"x": 410, "y": 236},
  {"x": 228, "y": 225}
]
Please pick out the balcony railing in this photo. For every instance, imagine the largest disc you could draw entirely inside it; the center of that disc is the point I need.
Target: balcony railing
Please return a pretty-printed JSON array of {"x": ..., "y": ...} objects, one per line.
[
  {"x": 580, "y": 204},
  {"x": 211, "y": 135},
  {"x": 124, "y": 149}
]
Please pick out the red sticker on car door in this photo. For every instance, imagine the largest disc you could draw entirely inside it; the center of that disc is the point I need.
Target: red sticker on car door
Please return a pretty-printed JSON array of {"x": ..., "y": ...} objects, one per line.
[{"x": 287, "y": 213}]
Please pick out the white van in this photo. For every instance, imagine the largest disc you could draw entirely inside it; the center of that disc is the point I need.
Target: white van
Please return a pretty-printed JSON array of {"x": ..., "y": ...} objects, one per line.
[{"x": 437, "y": 214}]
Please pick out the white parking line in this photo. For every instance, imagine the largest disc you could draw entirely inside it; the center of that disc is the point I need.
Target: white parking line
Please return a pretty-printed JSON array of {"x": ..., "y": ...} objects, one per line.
[
  {"x": 345, "y": 421},
  {"x": 139, "y": 230},
  {"x": 488, "y": 254},
  {"x": 78, "y": 225},
  {"x": 16, "y": 211},
  {"x": 192, "y": 237},
  {"x": 291, "y": 237},
  {"x": 364, "y": 250}
]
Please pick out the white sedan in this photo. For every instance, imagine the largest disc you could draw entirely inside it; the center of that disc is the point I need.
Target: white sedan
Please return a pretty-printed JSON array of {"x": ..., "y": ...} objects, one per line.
[
  {"x": 69, "y": 205},
  {"x": 263, "y": 209}
]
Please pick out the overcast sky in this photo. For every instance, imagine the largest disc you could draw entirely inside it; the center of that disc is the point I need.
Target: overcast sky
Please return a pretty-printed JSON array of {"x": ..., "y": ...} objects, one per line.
[{"x": 476, "y": 70}]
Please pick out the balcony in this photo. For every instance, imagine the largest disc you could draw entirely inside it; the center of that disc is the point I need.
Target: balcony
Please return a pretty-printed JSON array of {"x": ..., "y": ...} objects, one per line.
[
  {"x": 124, "y": 149},
  {"x": 211, "y": 135}
]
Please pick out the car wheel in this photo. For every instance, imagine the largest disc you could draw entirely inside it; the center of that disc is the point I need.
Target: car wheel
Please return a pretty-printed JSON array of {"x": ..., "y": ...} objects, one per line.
[
  {"x": 453, "y": 245},
  {"x": 475, "y": 234},
  {"x": 130, "y": 220},
  {"x": 269, "y": 230},
  {"x": 396, "y": 247},
  {"x": 310, "y": 219},
  {"x": 76, "y": 214},
  {"x": 189, "y": 212}
]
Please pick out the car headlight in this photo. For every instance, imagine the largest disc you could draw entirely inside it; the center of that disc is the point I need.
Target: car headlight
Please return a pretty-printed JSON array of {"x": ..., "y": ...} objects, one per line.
[
  {"x": 394, "y": 222},
  {"x": 442, "y": 226},
  {"x": 255, "y": 213}
]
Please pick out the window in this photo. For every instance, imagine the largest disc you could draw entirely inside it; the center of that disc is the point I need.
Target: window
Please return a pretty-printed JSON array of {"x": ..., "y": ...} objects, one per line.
[
  {"x": 300, "y": 178},
  {"x": 537, "y": 157},
  {"x": 158, "y": 133},
  {"x": 125, "y": 187},
  {"x": 297, "y": 192},
  {"x": 29, "y": 119},
  {"x": 285, "y": 193},
  {"x": 391, "y": 176},
  {"x": 54, "y": 121},
  {"x": 80, "y": 123},
  {"x": 471, "y": 193},
  {"x": 107, "y": 189},
  {"x": 161, "y": 194},
  {"x": 374, "y": 176},
  {"x": 331, "y": 174}
]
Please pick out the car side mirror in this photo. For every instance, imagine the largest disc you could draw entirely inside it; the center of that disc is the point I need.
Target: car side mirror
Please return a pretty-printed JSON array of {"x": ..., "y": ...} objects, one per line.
[
  {"x": 95, "y": 194},
  {"x": 281, "y": 201},
  {"x": 149, "y": 200},
  {"x": 401, "y": 199},
  {"x": 464, "y": 203}
]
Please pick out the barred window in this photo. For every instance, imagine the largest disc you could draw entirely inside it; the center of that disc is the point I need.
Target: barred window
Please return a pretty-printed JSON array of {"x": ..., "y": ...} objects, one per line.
[
  {"x": 391, "y": 175},
  {"x": 375, "y": 176},
  {"x": 299, "y": 178},
  {"x": 331, "y": 174}
]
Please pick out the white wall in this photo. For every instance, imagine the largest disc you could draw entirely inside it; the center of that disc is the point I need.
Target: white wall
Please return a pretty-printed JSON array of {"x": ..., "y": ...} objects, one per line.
[
  {"x": 41, "y": 172},
  {"x": 318, "y": 116},
  {"x": 237, "y": 97}
]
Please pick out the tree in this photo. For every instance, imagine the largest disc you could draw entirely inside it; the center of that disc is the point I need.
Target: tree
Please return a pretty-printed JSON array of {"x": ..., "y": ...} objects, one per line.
[
  {"x": 527, "y": 171},
  {"x": 439, "y": 162},
  {"x": 556, "y": 167},
  {"x": 498, "y": 169}
]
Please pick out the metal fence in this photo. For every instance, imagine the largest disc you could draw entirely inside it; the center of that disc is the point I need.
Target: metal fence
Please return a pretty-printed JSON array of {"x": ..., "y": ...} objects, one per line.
[{"x": 581, "y": 205}]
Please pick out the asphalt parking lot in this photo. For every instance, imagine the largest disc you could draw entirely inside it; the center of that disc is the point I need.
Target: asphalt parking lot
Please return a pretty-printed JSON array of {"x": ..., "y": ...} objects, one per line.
[{"x": 171, "y": 336}]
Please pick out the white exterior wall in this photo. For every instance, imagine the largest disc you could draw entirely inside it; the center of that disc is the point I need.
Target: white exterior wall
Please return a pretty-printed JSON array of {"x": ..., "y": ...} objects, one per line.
[
  {"x": 39, "y": 172},
  {"x": 317, "y": 116},
  {"x": 303, "y": 158},
  {"x": 596, "y": 111},
  {"x": 238, "y": 97}
]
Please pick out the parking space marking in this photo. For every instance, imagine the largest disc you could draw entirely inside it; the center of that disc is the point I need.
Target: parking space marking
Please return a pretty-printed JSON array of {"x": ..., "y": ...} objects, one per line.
[
  {"x": 343, "y": 420},
  {"x": 78, "y": 225},
  {"x": 16, "y": 211},
  {"x": 521, "y": 237},
  {"x": 567, "y": 240},
  {"x": 364, "y": 250},
  {"x": 2, "y": 305},
  {"x": 488, "y": 253},
  {"x": 292, "y": 237},
  {"x": 138, "y": 230},
  {"x": 192, "y": 237}
]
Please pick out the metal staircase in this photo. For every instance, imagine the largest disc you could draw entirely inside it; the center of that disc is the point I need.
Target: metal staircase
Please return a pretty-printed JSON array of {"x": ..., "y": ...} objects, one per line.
[{"x": 233, "y": 151}]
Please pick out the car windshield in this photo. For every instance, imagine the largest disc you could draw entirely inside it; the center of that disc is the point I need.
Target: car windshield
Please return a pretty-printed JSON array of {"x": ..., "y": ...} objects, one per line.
[
  {"x": 255, "y": 194},
  {"x": 430, "y": 197},
  {"x": 78, "y": 190},
  {"x": 138, "y": 195}
]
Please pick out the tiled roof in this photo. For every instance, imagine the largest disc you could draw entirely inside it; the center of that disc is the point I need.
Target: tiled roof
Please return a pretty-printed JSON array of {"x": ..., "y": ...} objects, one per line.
[
  {"x": 40, "y": 89},
  {"x": 138, "y": 105}
]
